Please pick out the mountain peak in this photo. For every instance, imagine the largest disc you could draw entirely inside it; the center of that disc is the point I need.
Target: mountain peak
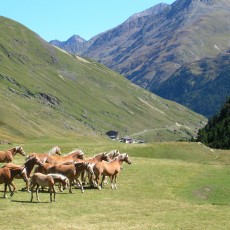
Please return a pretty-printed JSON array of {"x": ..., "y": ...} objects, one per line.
[
  {"x": 151, "y": 11},
  {"x": 76, "y": 38}
]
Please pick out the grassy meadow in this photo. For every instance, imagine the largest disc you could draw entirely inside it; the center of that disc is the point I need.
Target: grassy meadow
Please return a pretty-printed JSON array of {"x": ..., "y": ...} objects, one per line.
[{"x": 171, "y": 185}]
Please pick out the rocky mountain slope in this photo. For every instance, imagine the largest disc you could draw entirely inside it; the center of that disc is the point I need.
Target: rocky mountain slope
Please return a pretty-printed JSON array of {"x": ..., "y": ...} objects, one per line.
[
  {"x": 45, "y": 91},
  {"x": 150, "y": 46}
]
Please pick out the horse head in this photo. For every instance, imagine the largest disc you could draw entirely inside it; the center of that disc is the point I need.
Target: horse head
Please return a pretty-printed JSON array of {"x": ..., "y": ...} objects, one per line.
[
  {"x": 124, "y": 157},
  {"x": 37, "y": 161},
  {"x": 105, "y": 157},
  {"x": 20, "y": 150},
  {"x": 79, "y": 154},
  {"x": 55, "y": 150}
]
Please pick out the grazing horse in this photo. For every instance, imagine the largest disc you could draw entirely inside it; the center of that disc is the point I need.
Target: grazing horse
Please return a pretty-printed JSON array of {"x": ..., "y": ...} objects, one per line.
[
  {"x": 7, "y": 174},
  {"x": 110, "y": 169},
  {"x": 72, "y": 172},
  {"x": 61, "y": 179},
  {"x": 69, "y": 157},
  {"x": 43, "y": 156},
  {"x": 39, "y": 179},
  {"x": 8, "y": 155}
]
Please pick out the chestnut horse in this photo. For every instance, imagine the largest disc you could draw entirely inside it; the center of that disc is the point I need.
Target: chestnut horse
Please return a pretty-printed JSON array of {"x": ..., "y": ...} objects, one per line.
[
  {"x": 28, "y": 165},
  {"x": 43, "y": 156},
  {"x": 7, "y": 174},
  {"x": 93, "y": 160},
  {"x": 110, "y": 169},
  {"x": 39, "y": 179},
  {"x": 69, "y": 157},
  {"x": 8, "y": 155}
]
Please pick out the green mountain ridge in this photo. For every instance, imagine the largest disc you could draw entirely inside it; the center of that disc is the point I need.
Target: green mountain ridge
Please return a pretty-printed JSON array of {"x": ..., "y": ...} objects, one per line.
[{"x": 45, "y": 91}]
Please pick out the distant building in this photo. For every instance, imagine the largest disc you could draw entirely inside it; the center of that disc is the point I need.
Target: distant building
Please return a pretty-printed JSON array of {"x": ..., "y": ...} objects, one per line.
[
  {"x": 127, "y": 140},
  {"x": 113, "y": 134}
]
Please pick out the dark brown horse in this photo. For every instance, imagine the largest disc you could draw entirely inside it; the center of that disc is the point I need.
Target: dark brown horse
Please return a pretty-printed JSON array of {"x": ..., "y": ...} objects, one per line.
[
  {"x": 69, "y": 157},
  {"x": 8, "y": 155},
  {"x": 110, "y": 169},
  {"x": 8, "y": 172},
  {"x": 43, "y": 156}
]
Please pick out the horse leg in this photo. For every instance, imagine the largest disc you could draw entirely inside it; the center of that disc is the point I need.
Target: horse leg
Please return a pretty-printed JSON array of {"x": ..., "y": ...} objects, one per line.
[
  {"x": 32, "y": 192},
  {"x": 111, "y": 181},
  {"x": 70, "y": 186},
  {"x": 80, "y": 184},
  {"x": 37, "y": 193},
  {"x": 60, "y": 187},
  {"x": 5, "y": 188},
  {"x": 102, "y": 180},
  {"x": 115, "y": 181},
  {"x": 83, "y": 177},
  {"x": 105, "y": 182},
  {"x": 54, "y": 193},
  {"x": 27, "y": 186},
  {"x": 52, "y": 190},
  {"x": 97, "y": 182},
  {"x": 14, "y": 187}
]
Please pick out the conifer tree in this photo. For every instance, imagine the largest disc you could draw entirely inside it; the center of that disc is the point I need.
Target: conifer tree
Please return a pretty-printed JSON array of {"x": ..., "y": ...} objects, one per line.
[{"x": 216, "y": 134}]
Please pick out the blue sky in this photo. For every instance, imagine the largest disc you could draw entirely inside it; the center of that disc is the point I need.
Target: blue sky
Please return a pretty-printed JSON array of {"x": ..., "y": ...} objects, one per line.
[{"x": 57, "y": 19}]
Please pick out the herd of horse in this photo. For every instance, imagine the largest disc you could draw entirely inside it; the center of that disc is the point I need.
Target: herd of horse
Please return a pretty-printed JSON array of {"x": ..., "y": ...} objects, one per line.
[{"x": 45, "y": 170}]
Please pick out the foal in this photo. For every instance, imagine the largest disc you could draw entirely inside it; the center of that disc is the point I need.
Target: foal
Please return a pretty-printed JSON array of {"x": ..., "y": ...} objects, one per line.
[
  {"x": 61, "y": 179},
  {"x": 39, "y": 179}
]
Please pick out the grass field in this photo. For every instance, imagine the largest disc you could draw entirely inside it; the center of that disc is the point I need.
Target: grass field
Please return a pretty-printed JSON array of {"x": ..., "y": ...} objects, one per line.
[{"x": 171, "y": 185}]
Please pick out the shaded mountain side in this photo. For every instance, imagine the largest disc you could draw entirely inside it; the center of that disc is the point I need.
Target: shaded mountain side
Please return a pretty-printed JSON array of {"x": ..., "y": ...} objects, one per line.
[
  {"x": 45, "y": 91},
  {"x": 202, "y": 86}
]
